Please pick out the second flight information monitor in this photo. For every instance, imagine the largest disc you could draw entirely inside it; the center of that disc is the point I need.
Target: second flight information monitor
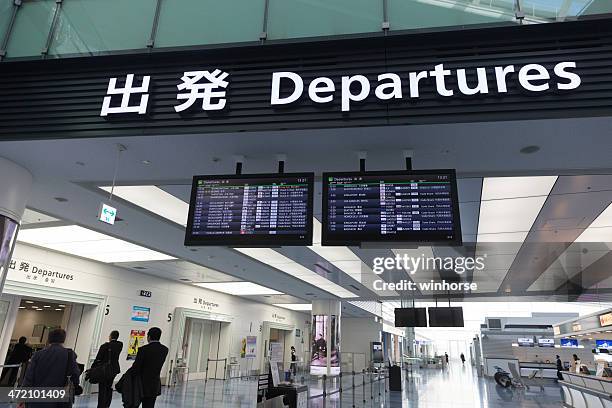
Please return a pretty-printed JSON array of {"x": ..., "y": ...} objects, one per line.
[
  {"x": 410, "y": 206},
  {"x": 251, "y": 210}
]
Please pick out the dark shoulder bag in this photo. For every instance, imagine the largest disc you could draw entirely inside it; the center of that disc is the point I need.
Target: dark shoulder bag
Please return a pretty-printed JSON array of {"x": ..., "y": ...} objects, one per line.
[{"x": 100, "y": 372}]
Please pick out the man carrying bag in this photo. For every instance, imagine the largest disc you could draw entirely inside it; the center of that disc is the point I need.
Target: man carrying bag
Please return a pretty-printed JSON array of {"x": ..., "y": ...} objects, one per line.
[{"x": 105, "y": 368}]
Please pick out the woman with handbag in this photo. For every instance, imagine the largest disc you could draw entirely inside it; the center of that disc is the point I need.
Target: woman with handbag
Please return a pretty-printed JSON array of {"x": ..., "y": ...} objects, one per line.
[{"x": 54, "y": 366}]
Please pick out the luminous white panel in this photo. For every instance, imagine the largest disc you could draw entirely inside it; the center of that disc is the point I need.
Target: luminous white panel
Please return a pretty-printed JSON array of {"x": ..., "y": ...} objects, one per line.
[
  {"x": 79, "y": 241},
  {"x": 339, "y": 256},
  {"x": 513, "y": 215},
  {"x": 239, "y": 288},
  {"x": 299, "y": 307},
  {"x": 496, "y": 188},
  {"x": 276, "y": 260},
  {"x": 155, "y": 200},
  {"x": 508, "y": 208}
]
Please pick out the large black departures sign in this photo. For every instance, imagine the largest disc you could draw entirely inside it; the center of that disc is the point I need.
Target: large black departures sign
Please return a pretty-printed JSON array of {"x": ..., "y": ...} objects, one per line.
[{"x": 487, "y": 74}]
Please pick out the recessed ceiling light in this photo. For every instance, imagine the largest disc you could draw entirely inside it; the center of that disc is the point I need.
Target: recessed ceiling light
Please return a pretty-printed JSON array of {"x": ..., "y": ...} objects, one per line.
[
  {"x": 61, "y": 305},
  {"x": 22, "y": 307},
  {"x": 29, "y": 301},
  {"x": 59, "y": 309},
  {"x": 34, "y": 307},
  {"x": 239, "y": 288},
  {"x": 46, "y": 306}
]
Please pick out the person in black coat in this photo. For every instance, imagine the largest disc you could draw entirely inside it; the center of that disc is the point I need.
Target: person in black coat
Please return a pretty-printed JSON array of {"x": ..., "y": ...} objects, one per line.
[
  {"x": 108, "y": 352},
  {"x": 148, "y": 364},
  {"x": 21, "y": 354},
  {"x": 52, "y": 366}
]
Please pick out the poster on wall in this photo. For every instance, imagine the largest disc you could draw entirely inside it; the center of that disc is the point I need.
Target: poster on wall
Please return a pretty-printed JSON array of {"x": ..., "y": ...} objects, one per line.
[
  {"x": 334, "y": 348},
  {"x": 251, "y": 347},
  {"x": 318, "y": 359},
  {"x": 141, "y": 314},
  {"x": 276, "y": 352},
  {"x": 136, "y": 341}
]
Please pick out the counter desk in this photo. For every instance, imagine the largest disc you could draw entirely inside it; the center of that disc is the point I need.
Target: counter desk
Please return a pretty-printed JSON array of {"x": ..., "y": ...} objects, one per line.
[{"x": 586, "y": 391}]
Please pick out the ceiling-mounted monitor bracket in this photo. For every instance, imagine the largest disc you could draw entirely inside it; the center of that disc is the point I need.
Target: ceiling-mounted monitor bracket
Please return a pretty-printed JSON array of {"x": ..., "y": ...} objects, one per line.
[
  {"x": 281, "y": 158},
  {"x": 408, "y": 154},
  {"x": 362, "y": 155},
  {"x": 239, "y": 160}
]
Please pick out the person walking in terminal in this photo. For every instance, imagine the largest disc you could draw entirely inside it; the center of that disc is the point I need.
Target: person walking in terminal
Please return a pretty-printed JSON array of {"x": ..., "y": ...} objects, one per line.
[
  {"x": 21, "y": 354},
  {"x": 559, "y": 368},
  {"x": 54, "y": 366},
  {"x": 446, "y": 357},
  {"x": 462, "y": 358},
  {"x": 148, "y": 364},
  {"x": 108, "y": 354}
]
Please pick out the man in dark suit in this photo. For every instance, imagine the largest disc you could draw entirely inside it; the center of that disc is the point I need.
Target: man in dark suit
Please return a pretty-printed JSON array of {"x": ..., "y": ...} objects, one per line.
[
  {"x": 148, "y": 364},
  {"x": 21, "y": 354},
  {"x": 51, "y": 366},
  {"x": 108, "y": 352}
]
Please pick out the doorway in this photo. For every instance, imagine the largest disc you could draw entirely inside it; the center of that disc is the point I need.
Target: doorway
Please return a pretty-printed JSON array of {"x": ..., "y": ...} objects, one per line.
[{"x": 197, "y": 343}]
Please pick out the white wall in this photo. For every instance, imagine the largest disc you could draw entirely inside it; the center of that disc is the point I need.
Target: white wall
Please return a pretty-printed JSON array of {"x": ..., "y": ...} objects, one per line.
[
  {"x": 122, "y": 288},
  {"x": 356, "y": 335}
]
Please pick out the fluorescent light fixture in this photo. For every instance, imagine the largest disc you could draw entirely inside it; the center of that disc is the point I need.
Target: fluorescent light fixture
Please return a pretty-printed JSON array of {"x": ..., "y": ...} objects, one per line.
[
  {"x": 239, "y": 288},
  {"x": 298, "y": 307},
  {"x": 46, "y": 306},
  {"x": 61, "y": 305},
  {"x": 600, "y": 229},
  {"x": 29, "y": 302},
  {"x": 22, "y": 307},
  {"x": 155, "y": 200},
  {"x": 79, "y": 241},
  {"x": 276, "y": 260},
  {"x": 508, "y": 208},
  {"x": 59, "y": 309},
  {"x": 339, "y": 256}
]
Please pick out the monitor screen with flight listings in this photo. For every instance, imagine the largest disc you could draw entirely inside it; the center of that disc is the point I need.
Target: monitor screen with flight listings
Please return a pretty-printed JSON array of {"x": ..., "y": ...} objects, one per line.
[
  {"x": 251, "y": 210},
  {"x": 379, "y": 207}
]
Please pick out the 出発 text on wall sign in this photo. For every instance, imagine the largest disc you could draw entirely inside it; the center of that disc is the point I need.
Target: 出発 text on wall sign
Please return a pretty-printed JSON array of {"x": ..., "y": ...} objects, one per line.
[{"x": 208, "y": 90}]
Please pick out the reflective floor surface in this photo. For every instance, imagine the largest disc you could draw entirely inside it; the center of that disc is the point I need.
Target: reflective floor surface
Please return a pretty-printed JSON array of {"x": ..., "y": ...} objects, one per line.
[{"x": 457, "y": 387}]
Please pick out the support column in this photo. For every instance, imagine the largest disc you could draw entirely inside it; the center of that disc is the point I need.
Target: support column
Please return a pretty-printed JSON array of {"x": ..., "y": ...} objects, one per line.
[
  {"x": 325, "y": 358},
  {"x": 15, "y": 186}
]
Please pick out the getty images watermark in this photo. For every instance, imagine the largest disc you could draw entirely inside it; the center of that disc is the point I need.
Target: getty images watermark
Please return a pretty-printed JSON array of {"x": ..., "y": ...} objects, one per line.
[{"x": 413, "y": 264}]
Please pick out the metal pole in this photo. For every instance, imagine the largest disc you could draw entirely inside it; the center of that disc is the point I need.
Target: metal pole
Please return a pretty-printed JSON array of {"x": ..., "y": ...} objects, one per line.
[
  {"x": 353, "y": 389},
  {"x": 371, "y": 386},
  {"x": 224, "y": 368},
  {"x": 364, "y": 385}
]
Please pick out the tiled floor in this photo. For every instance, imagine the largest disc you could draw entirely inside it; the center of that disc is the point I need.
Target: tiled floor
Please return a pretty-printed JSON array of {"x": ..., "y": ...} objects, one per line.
[{"x": 456, "y": 387}]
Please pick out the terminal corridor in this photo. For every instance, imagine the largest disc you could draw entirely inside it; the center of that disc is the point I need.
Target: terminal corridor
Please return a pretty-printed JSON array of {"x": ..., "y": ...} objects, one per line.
[{"x": 456, "y": 386}]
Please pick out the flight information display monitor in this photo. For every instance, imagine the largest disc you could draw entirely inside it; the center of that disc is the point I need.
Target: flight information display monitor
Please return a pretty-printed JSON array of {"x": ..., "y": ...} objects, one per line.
[
  {"x": 251, "y": 210},
  {"x": 409, "y": 206}
]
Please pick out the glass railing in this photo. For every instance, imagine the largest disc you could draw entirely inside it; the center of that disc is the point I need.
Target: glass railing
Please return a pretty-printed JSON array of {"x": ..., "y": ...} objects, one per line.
[{"x": 38, "y": 28}]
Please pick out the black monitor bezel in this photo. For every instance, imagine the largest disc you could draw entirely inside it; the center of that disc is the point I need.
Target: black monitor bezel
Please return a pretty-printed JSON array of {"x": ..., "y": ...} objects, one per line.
[
  {"x": 326, "y": 240},
  {"x": 250, "y": 240},
  {"x": 415, "y": 310},
  {"x": 452, "y": 309}
]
